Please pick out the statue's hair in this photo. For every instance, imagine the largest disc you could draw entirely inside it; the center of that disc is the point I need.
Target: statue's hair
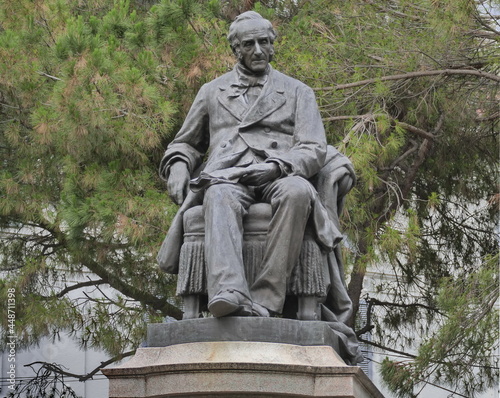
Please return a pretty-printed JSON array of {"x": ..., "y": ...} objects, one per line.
[{"x": 248, "y": 15}]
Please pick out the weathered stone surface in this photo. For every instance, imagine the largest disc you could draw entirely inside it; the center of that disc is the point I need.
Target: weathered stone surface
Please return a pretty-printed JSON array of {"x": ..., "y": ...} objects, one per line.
[
  {"x": 238, "y": 369},
  {"x": 240, "y": 357},
  {"x": 231, "y": 352},
  {"x": 271, "y": 330}
]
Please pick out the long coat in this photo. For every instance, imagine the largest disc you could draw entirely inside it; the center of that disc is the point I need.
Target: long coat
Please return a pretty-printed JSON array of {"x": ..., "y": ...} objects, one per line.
[{"x": 283, "y": 125}]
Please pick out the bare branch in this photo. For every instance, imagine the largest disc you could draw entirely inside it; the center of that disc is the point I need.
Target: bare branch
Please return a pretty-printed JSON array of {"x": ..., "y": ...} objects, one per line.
[
  {"x": 416, "y": 130},
  {"x": 57, "y": 369},
  {"x": 53, "y": 368},
  {"x": 342, "y": 117},
  {"x": 414, "y": 147},
  {"x": 371, "y": 116},
  {"x": 145, "y": 297},
  {"x": 375, "y": 301},
  {"x": 372, "y": 343},
  {"x": 79, "y": 286},
  {"x": 422, "y": 154},
  {"x": 413, "y": 75},
  {"x": 368, "y": 326},
  {"x": 106, "y": 363},
  {"x": 394, "y": 12},
  {"x": 49, "y": 76},
  {"x": 494, "y": 117}
]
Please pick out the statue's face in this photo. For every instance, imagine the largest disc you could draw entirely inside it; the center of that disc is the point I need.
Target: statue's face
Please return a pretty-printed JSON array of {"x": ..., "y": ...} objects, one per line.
[{"x": 255, "y": 49}]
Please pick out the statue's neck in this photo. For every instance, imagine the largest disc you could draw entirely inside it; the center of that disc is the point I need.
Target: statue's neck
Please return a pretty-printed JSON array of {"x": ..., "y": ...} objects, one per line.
[{"x": 242, "y": 69}]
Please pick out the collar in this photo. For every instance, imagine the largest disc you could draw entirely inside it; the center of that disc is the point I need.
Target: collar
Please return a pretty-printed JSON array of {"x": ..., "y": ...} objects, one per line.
[
  {"x": 271, "y": 97},
  {"x": 247, "y": 78}
]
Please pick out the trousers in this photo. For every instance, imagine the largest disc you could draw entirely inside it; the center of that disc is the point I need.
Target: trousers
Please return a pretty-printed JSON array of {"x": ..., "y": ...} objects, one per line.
[{"x": 224, "y": 207}]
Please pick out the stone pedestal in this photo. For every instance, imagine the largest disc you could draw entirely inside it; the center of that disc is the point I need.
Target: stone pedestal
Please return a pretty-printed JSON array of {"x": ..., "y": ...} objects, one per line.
[{"x": 239, "y": 357}]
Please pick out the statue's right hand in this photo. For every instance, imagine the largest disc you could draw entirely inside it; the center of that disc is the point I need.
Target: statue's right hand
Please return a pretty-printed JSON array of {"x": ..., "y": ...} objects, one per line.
[{"x": 178, "y": 182}]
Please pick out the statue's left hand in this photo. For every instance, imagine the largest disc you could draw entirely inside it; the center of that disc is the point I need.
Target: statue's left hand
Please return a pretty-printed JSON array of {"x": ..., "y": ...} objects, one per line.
[{"x": 261, "y": 173}]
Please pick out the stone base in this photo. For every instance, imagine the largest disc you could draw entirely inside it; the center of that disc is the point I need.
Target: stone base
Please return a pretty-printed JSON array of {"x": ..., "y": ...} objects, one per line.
[
  {"x": 266, "y": 330},
  {"x": 237, "y": 368}
]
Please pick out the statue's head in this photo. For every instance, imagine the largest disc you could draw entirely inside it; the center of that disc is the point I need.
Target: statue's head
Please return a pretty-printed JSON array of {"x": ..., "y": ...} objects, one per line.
[{"x": 251, "y": 38}]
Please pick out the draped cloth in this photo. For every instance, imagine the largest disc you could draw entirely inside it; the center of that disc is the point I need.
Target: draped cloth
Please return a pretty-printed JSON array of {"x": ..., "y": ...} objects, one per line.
[{"x": 332, "y": 183}]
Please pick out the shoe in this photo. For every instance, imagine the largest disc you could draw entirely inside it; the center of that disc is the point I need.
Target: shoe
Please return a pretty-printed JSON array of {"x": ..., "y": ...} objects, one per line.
[
  {"x": 259, "y": 310},
  {"x": 246, "y": 310},
  {"x": 230, "y": 302}
]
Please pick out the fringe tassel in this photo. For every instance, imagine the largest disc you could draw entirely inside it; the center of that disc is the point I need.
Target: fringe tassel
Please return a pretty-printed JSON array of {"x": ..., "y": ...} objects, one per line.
[
  {"x": 307, "y": 277},
  {"x": 192, "y": 269}
]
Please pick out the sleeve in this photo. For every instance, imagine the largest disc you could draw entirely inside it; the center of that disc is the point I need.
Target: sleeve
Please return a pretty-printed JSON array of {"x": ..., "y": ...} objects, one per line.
[{"x": 192, "y": 140}]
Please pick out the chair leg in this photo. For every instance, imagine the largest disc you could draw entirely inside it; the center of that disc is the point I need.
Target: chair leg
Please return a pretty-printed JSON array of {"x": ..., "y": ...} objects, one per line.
[
  {"x": 307, "y": 310},
  {"x": 191, "y": 306}
]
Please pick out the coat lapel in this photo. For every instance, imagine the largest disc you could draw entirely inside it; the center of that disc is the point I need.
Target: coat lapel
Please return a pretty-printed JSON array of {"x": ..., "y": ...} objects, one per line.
[
  {"x": 271, "y": 98},
  {"x": 232, "y": 103},
  {"x": 228, "y": 98}
]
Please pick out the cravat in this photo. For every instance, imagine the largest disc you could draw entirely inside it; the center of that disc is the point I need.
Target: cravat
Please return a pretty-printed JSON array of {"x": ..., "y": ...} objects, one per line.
[{"x": 249, "y": 84}]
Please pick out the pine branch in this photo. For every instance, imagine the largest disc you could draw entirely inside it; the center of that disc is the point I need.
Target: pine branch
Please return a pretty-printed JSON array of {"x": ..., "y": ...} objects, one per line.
[
  {"x": 53, "y": 368},
  {"x": 494, "y": 117},
  {"x": 49, "y": 76},
  {"x": 413, "y": 75},
  {"x": 57, "y": 369},
  {"x": 463, "y": 223},
  {"x": 416, "y": 130},
  {"x": 371, "y": 116},
  {"x": 382, "y": 347},
  {"x": 144, "y": 297},
  {"x": 422, "y": 154},
  {"x": 375, "y": 301},
  {"x": 394, "y": 12},
  {"x": 106, "y": 363},
  {"x": 76, "y": 287},
  {"x": 432, "y": 384},
  {"x": 368, "y": 326},
  {"x": 46, "y": 27},
  {"x": 159, "y": 304},
  {"x": 442, "y": 388},
  {"x": 414, "y": 147}
]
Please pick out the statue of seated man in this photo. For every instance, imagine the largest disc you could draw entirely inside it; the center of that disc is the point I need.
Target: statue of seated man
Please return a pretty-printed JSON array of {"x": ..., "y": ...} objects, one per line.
[{"x": 265, "y": 140}]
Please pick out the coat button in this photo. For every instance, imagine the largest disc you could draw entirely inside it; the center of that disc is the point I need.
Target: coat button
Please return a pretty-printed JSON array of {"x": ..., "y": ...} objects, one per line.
[
  {"x": 223, "y": 145},
  {"x": 274, "y": 145},
  {"x": 267, "y": 129}
]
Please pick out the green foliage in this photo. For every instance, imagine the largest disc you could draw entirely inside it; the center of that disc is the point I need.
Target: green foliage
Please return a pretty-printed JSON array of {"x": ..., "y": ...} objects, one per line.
[
  {"x": 424, "y": 208},
  {"x": 463, "y": 343},
  {"x": 84, "y": 122},
  {"x": 92, "y": 92}
]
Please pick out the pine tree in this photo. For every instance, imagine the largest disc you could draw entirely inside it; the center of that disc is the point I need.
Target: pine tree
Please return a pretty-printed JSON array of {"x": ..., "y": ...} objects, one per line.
[{"x": 92, "y": 92}]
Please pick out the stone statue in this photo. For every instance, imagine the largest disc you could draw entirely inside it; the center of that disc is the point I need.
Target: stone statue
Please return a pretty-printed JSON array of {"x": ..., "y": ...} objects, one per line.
[{"x": 265, "y": 143}]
